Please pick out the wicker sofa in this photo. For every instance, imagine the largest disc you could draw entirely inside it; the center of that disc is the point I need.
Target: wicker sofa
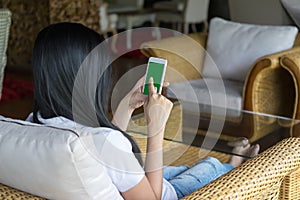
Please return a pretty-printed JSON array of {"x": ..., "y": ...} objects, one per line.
[
  {"x": 264, "y": 89},
  {"x": 273, "y": 174}
]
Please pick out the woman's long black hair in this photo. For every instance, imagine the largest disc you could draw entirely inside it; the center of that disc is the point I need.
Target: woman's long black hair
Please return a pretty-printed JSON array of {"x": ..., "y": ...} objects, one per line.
[{"x": 58, "y": 53}]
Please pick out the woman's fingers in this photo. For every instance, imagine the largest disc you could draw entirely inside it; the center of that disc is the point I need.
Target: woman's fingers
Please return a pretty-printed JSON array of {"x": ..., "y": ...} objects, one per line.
[
  {"x": 141, "y": 81},
  {"x": 139, "y": 84},
  {"x": 166, "y": 84},
  {"x": 139, "y": 97},
  {"x": 152, "y": 89}
]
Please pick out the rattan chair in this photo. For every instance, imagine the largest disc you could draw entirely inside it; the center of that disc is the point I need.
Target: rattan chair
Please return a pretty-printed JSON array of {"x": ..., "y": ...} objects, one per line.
[
  {"x": 273, "y": 174},
  {"x": 5, "y": 22},
  {"x": 264, "y": 89}
]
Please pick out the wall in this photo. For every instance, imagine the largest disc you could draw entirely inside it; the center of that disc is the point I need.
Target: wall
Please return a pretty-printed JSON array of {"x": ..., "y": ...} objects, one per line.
[
  {"x": 269, "y": 12},
  {"x": 218, "y": 8}
]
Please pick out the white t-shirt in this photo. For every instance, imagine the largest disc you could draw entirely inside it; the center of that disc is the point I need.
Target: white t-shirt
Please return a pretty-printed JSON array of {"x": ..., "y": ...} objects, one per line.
[{"x": 114, "y": 151}]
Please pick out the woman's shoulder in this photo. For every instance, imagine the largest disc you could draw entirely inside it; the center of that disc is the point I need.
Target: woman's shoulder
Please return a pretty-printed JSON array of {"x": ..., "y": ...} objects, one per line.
[
  {"x": 103, "y": 131},
  {"x": 113, "y": 136}
]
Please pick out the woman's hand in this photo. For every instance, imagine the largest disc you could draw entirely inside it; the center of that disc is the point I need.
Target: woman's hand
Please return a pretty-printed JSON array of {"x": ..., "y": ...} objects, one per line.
[
  {"x": 135, "y": 97},
  {"x": 133, "y": 100},
  {"x": 157, "y": 110}
]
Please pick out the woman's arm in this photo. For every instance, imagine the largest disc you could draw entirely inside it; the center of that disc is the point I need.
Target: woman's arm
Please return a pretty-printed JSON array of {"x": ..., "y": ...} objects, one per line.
[
  {"x": 122, "y": 115},
  {"x": 157, "y": 110},
  {"x": 150, "y": 187}
]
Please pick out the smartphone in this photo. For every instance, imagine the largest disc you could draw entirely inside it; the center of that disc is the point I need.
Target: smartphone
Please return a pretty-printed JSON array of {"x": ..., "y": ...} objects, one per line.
[{"x": 156, "y": 68}]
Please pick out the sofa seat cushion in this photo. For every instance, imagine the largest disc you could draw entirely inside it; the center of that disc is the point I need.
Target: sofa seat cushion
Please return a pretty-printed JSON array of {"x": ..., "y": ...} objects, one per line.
[
  {"x": 208, "y": 93},
  {"x": 52, "y": 162}
]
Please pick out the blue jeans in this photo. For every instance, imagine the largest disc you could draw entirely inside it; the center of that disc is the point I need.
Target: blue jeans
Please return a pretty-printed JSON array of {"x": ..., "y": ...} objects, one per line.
[{"x": 186, "y": 180}]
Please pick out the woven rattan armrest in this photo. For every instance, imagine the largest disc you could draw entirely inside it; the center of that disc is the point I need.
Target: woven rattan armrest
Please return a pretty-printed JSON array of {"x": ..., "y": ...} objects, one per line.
[
  {"x": 265, "y": 90},
  {"x": 258, "y": 178},
  {"x": 291, "y": 63},
  {"x": 266, "y": 82}
]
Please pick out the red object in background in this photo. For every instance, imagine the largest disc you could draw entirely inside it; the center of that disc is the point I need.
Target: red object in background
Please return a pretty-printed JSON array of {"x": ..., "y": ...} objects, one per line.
[{"x": 13, "y": 89}]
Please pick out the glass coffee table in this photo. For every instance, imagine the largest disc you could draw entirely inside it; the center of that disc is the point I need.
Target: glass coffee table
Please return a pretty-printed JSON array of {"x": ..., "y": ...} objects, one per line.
[{"x": 213, "y": 133}]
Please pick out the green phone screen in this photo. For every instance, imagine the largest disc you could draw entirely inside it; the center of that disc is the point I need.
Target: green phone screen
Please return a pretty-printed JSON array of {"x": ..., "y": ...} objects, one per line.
[{"x": 155, "y": 70}]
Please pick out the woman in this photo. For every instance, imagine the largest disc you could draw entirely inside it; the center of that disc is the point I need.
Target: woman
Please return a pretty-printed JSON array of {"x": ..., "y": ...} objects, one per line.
[{"x": 66, "y": 93}]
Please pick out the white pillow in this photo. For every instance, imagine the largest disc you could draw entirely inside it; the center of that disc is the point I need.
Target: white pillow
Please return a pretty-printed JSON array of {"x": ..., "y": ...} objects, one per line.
[
  {"x": 50, "y": 162},
  {"x": 234, "y": 47}
]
